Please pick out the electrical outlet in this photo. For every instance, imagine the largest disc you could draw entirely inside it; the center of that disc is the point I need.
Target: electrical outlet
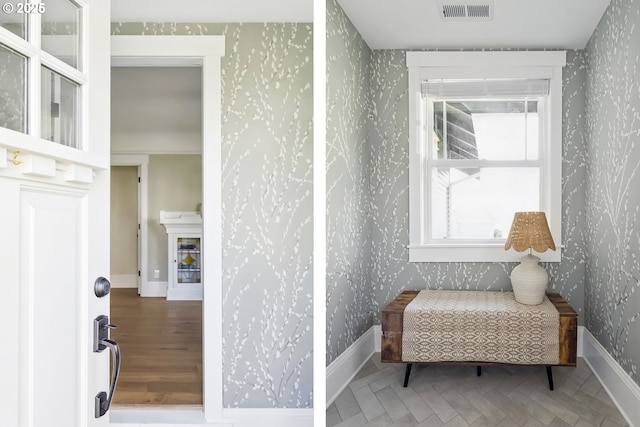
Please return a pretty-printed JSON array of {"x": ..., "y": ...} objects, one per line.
[{"x": 156, "y": 274}]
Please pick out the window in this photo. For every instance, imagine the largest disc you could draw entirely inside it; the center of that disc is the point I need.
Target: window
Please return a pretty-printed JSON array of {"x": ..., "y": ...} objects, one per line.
[
  {"x": 41, "y": 62},
  {"x": 486, "y": 142}
]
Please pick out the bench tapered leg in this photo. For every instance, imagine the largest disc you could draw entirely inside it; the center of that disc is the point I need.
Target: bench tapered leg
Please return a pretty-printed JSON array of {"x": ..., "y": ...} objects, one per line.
[
  {"x": 407, "y": 372},
  {"x": 479, "y": 370},
  {"x": 550, "y": 377}
]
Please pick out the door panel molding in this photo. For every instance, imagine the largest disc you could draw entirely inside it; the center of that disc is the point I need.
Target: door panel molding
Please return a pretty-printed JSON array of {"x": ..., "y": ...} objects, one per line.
[{"x": 51, "y": 264}]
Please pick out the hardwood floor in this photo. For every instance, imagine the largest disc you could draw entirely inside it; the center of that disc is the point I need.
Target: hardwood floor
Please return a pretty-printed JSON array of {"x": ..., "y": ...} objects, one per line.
[
  {"x": 161, "y": 345},
  {"x": 453, "y": 396}
]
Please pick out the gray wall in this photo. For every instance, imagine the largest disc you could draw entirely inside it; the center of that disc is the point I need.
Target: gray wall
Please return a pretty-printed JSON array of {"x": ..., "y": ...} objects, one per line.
[
  {"x": 175, "y": 184},
  {"x": 613, "y": 184},
  {"x": 267, "y": 205},
  {"x": 349, "y": 293},
  {"x": 124, "y": 220}
]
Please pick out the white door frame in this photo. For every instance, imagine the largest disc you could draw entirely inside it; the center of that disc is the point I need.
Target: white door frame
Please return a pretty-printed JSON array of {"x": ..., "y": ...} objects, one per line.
[
  {"x": 205, "y": 51},
  {"x": 142, "y": 162}
]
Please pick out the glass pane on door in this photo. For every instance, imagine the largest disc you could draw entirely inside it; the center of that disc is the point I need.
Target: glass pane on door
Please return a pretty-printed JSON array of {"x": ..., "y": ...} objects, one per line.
[
  {"x": 13, "y": 90},
  {"x": 189, "y": 269},
  {"x": 61, "y": 31},
  {"x": 59, "y": 109},
  {"x": 12, "y": 20}
]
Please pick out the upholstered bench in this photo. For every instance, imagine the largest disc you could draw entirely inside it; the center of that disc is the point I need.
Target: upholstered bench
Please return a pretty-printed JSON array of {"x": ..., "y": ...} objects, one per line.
[{"x": 478, "y": 328}]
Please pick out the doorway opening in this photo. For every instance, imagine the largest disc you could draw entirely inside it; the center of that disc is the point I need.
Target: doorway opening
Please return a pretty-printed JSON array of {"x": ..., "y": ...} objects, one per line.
[
  {"x": 156, "y": 131},
  {"x": 205, "y": 52}
]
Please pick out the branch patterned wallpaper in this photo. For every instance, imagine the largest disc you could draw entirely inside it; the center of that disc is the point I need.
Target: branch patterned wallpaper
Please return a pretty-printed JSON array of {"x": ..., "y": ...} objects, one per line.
[
  {"x": 600, "y": 270},
  {"x": 349, "y": 298},
  {"x": 267, "y": 205},
  {"x": 612, "y": 300}
]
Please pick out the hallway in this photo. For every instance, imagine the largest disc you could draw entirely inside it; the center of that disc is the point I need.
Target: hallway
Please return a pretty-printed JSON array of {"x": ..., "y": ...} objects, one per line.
[{"x": 161, "y": 344}]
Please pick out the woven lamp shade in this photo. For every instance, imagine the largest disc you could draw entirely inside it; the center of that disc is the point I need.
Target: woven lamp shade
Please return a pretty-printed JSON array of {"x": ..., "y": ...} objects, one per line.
[{"x": 530, "y": 231}]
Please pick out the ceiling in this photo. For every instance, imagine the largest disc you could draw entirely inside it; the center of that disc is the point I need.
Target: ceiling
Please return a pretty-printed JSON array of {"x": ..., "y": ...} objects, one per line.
[
  {"x": 416, "y": 24},
  {"x": 211, "y": 10},
  {"x": 399, "y": 24}
]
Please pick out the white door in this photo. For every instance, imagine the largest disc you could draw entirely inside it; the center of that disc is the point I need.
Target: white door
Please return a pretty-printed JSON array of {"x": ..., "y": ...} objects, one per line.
[{"x": 54, "y": 210}]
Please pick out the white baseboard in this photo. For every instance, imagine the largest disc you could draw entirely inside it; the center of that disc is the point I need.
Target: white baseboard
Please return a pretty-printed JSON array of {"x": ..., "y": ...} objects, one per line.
[
  {"x": 623, "y": 390},
  {"x": 185, "y": 293},
  {"x": 377, "y": 338},
  {"x": 154, "y": 289},
  {"x": 342, "y": 370},
  {"x": 275, "y": 417},
  {"x": 164, "y": 417},
  {"x": 232, "y": 417},
  {"x": 124, "y": 280}
]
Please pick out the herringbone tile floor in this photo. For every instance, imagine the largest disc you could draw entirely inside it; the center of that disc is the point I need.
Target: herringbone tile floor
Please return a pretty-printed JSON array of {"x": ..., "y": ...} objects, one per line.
[{"x": 453, "y": 396}]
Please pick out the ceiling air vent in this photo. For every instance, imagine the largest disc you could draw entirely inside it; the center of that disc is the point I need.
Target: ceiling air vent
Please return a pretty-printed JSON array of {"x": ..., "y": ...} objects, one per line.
[{"x": 466, "y": 10}]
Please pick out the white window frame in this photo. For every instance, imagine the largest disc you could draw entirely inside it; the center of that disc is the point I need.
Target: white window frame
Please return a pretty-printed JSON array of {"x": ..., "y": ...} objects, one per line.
[
  {"x": 30, "y": 48},
  {"x": 423, "y": 66}
]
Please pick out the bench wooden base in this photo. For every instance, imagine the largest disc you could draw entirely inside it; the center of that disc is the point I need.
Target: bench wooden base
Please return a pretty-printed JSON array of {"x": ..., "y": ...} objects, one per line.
[{"x": 392, "y": 324}]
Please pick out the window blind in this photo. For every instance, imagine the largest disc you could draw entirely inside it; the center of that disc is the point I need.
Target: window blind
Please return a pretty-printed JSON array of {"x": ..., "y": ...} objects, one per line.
[{"x": 498, "y": 88}]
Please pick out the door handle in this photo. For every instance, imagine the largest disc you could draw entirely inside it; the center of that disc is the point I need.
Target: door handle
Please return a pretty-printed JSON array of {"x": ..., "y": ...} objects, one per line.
[{"x": 101, "y": 341}]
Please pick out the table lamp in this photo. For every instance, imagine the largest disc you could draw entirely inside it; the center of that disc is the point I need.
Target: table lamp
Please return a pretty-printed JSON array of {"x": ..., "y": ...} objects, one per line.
[{"x": 529, "y": 231}]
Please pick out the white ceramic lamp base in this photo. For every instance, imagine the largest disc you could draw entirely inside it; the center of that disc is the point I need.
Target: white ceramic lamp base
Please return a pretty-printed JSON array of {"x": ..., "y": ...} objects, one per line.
[{"x": 529, "y": 281}]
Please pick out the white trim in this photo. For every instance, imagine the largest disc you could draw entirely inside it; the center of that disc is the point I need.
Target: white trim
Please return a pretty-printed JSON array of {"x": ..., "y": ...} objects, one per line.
[
  {"x": 342, "y": 370},
  {"x": 186, "y": 292},
  {"x": 579, "y": 351},
  {"x": 38, "y": 166},
  {"x": 123, "y": 281},
  {"x": 269, "y": 417},
  {"x": 377, "y": 336},
  {"x": 154, "y": 289},
  {"x": 319, "y": 82},
  {"x": 623, "y": 390},
  {"x": 474, "y": 253},
  {"x": 487, "y": 59},
  {"x": 208, "y": 50},
  {"x": 142, "y": 162},
  {"x": 159, "y": 417},
  {"x": 3, "y": 157},
  {"x": 234, "y": 417}
]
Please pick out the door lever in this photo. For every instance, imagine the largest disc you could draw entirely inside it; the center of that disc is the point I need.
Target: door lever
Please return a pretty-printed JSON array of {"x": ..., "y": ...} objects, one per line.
[{"x": 101, "y": 341}]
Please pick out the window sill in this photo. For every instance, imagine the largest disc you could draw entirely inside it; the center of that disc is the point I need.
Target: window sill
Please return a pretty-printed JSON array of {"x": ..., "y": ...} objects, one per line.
[{"x": 486, "y": 252}]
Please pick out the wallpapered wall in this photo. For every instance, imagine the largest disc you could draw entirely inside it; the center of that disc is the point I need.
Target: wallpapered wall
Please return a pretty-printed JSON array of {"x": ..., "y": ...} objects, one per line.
[
  {"x": 267, "y": 209},
  {"x": 349, "y": 296},
  {"x": 612, "y": 302},
  {"x": 385, "y": 162}
]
